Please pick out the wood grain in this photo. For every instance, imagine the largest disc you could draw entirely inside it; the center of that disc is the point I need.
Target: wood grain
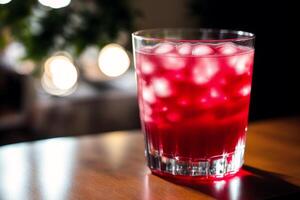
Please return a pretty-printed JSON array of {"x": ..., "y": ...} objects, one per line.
[{"x": 112, "y": 166}]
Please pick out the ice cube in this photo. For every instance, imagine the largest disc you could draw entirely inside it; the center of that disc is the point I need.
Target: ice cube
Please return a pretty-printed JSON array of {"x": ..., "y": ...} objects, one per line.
[
  {"x": 172, "y": 62},
  {"x": 241, "y": 63},
  {"x": 202, "y": 50},
  {"x": 227, "y": 49},
  {"x": 147, "y": 67},
  {"x": 164, "y": 48},
  {"x": 205, "y": 70},
  {"x": 184, "y": 49},
  {"x": 148, "y": 94},
  {"x": 245, "y": 91},
  {"x": 147, "y": 49},
  {"x": 161, "y": 87}
]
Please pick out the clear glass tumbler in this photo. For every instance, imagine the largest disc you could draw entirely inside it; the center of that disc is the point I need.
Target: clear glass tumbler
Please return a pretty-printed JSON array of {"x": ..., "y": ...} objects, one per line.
[{"x": 194, "y": 92}]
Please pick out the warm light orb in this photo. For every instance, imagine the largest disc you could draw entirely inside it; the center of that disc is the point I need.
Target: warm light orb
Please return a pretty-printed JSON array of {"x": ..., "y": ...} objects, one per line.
[
  {"x": 13, "y": 53},
  {"x": 13, "y": 56},
  {"x": 25, "y": 67},
  {"x": 55, "y": 3},
  {"x": 5, "y": 1},
  {"x": 113, "y": 60},
  {"x": 64, "y": 74},
  {"x": 60, "y": 75}
]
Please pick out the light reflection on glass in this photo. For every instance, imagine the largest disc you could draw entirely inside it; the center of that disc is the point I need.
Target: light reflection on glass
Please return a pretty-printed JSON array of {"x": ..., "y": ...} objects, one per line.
[
  {"x": 238, "y": 157},
  {"x": 55, "y": 162},
  {"x": 219, "y": 185},
  {"x": 234, "y": 188},
  {"x": 14, "y": 171}
]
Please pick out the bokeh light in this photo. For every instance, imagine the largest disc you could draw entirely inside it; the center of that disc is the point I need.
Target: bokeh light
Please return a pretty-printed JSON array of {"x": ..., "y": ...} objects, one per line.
[
  {"x": 113, "y": 60},
  {"x": 13, "y": 53},
  {"x": 89, "y": 64},
  {"x": 13, "y": 57},
  {"x": 25, "y": 67},
  {"x": 55, "y": 3},
  {"x": 5, "y": 1},
  {"x": 60, "y": 75}
]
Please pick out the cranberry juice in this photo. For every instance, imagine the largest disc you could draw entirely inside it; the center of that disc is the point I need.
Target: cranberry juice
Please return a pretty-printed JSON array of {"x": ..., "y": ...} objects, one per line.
[{"x": 194, "y": 102}]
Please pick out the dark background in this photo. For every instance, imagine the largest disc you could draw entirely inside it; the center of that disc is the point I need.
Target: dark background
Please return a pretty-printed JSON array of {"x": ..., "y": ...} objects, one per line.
[{"x": 276, "y": 81}]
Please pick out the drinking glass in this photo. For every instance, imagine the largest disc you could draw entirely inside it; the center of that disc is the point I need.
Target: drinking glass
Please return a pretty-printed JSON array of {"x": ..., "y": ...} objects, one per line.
[{"x": 194, "y": 92}]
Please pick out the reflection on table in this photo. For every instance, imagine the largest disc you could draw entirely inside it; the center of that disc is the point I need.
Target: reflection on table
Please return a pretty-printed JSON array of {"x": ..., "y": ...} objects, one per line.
[{"x": 112, "y": 166}]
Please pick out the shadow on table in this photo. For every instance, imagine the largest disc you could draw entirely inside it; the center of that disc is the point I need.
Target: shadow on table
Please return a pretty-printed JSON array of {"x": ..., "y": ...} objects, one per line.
[{"x": 249, "y": 183}]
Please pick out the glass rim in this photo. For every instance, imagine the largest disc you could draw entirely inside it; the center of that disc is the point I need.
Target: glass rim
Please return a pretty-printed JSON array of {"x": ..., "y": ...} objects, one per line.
[{"x": 244, "y": 35}]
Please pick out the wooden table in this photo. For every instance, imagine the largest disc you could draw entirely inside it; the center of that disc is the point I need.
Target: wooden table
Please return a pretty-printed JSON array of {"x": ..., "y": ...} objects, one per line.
[{"x": 112, "y": 166}]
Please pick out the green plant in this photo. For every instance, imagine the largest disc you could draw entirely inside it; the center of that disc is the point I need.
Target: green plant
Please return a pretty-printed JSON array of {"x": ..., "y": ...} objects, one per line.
[{"x": 43, "y": 30}]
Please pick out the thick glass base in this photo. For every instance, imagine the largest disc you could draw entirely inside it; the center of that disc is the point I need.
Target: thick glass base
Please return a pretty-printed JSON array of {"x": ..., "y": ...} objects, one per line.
[{"x": 216, "y": 167}]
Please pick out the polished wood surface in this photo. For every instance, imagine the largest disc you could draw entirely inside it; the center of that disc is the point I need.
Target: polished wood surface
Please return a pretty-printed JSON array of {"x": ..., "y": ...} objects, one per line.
[{"x": 112, "y": 166}]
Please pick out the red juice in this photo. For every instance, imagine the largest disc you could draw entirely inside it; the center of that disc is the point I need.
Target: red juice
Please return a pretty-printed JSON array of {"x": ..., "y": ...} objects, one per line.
[{"x": 194, "y": 102}]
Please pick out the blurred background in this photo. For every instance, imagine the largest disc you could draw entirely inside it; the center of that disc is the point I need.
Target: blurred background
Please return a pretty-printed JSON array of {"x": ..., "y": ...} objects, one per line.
[{"x": 56, "y": 77}]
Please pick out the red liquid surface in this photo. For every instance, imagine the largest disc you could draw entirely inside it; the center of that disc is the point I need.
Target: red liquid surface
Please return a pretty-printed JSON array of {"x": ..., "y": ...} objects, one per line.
[{"x": 194, "y": 99}]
